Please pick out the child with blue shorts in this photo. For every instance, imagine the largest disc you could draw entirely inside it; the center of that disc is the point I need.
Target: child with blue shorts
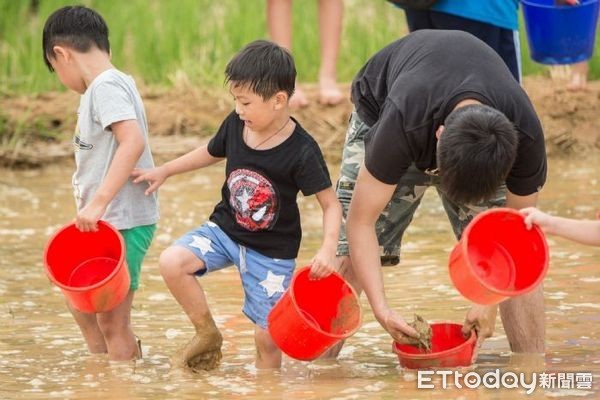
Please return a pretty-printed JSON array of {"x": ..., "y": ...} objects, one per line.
[
  {"x": 111, "y": 139},
  {"x": 256, "y": 225}
]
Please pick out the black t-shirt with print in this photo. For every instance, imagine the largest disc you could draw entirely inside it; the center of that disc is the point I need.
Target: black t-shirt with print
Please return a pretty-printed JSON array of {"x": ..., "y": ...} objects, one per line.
[
  {"x": 258, "y": 208},
  {"x": 407, "y": 89}
]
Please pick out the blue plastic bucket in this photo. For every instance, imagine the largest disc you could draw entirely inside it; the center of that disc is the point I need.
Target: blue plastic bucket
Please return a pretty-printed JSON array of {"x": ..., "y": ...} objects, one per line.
[{"x": 560, "y": 34}]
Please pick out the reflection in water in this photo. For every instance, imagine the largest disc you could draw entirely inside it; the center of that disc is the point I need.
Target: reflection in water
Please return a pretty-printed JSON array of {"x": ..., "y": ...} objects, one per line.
[{"x": 42, "y": 354}]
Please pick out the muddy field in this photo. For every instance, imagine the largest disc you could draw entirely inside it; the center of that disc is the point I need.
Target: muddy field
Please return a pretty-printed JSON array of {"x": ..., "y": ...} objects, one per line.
[{"x": 183, "y": 117}]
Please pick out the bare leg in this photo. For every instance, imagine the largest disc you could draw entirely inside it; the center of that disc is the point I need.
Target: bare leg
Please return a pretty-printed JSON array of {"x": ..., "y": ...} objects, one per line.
[
  {"x": 345, "y": 269},
  {"x": 523, "y": 318},
  {"x": 268, "y": 354},
  {"x": 331, "y": 13},
  {"x": 116, "y": 327},
  {"x": 177, "y": 267},
  {"x": 88, "y": 324},
  {"x": 279, "y": 21},
  {"x": 579, "y": 74}
]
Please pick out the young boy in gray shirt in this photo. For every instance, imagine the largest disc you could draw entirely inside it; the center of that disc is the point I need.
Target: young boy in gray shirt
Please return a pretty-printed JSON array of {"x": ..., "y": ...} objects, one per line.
[{"x": 111, "y": 139}]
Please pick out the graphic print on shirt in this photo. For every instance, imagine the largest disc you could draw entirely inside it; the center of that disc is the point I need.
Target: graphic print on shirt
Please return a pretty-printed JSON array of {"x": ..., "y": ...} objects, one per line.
[
  {"x": 78, "y": 143},
  {"x": 253, "y": 200}
]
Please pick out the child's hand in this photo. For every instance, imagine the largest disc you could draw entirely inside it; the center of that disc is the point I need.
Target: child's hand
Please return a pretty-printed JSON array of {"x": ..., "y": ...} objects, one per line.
[
  {"x": 535, "y": 216},
  {"x": 323, "y": 264},
  {"x": 155, "y": 177},
  {"x": 87, "y": 218}
]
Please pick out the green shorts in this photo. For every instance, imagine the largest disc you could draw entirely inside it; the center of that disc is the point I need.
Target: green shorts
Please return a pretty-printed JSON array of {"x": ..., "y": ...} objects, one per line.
[
  {"x": 399, "y": 212},
  {"x": 137, "y": 241}
]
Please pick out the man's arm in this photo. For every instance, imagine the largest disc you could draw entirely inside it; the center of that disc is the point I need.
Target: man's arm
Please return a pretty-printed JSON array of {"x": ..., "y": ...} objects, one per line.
[
  {"x": 368, "y": 201},
  {"x": 518, "y": 202}
]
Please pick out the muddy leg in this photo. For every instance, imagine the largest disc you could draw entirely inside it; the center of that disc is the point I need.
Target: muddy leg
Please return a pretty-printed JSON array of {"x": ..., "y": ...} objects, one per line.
[
  {"x": 268, "y": 354},
  {"x": 116, "y": 327},
  {"x": 177, "y": 267},
  {"x": 88, "y": 325},
  {"x": 203, "y": 351}
]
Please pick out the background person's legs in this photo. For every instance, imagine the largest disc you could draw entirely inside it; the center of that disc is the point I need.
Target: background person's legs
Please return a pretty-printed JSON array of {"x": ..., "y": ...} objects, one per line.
[
  {"x": 579, "y": 75},
  {"x": 500, "y": 39},
  {"x": 279, "y": 21},
  {"x": 331, "y": 13}
]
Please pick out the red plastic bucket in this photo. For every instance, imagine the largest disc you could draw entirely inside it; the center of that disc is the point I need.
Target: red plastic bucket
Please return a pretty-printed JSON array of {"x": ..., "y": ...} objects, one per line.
[
  {"x": 497, "y": 257},
  {"x": 313, "y": 315},
  {"x": 88, "y": 267},
  {"x": 449, "y": 348}
]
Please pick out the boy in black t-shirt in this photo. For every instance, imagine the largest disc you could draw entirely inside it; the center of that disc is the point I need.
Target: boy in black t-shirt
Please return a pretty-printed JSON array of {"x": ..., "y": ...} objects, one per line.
[
  {"x": 256, "y": 225},
  {"x": 437, "y": 108}
]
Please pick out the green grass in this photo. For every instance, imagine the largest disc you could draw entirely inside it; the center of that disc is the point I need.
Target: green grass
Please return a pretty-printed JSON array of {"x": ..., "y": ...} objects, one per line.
[{"x": 161, "y": 41}]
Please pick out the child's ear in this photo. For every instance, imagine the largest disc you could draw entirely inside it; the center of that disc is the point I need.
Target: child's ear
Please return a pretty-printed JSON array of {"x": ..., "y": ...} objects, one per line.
[
  {"x": 61, "y": 52},
  {"x": 281, "y": 100}
]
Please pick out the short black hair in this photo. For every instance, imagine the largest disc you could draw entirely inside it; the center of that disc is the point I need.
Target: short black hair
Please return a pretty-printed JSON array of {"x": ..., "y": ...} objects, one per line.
[
  {"x": 265, "y": 67},
  {"x": 77, "y": 27},
  {"x": 475, "y": 153}
]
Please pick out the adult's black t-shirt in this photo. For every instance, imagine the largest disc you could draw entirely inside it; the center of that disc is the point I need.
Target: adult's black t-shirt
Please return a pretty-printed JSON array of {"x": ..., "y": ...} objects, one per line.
[
  {"x": 406, "y": 90},
  {"x": 258, "y": 208}
]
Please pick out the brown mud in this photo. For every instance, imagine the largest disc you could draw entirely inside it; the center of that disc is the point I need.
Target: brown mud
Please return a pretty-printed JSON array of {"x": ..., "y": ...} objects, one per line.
[
  {"x": 36, "y": 130},
  {"x": 203, "y": 351},
  {"x": 425, "y": 333}
]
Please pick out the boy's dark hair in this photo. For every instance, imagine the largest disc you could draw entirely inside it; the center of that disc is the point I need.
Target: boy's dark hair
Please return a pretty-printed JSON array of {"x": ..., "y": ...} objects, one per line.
[
  {"x": 77, "y": 27},
  {"x": 265, "y": 67},
  {"x": 475, "y": 153}
]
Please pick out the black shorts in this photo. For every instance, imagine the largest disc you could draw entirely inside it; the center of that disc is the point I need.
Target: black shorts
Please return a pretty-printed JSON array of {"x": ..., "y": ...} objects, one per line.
[{"x": 502, "y": 40}]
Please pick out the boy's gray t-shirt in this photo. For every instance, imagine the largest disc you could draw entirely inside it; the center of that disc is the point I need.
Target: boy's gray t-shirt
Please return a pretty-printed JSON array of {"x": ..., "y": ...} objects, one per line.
[{"x": 110, "y": 98}]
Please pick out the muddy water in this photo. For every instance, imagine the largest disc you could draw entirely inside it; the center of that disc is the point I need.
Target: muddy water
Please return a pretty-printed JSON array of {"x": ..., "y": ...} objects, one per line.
[{"x": 43, "y": 356}]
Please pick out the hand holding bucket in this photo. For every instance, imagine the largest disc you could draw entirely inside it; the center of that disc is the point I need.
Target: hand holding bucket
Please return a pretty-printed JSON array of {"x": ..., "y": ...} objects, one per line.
[
  {"x": 313, "y": 315},
  {"x": 497, "y": 257},
  {"x": 88, "y": 267}
]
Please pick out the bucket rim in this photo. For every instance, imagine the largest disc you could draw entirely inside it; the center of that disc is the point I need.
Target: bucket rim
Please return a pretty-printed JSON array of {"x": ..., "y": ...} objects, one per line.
[
  {"x": 429, "y": 356},
  {"x": 61, "y": 285},
  {"x": 531, "y": 3},
  {"x": 464, "y": 244},
  {"x": 316, "y": 327}
]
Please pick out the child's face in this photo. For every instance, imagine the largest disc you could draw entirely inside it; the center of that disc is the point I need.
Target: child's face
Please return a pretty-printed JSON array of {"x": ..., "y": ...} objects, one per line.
[
  {"x": 258, "y": 114},
  {"x": 64, "y": 66}
]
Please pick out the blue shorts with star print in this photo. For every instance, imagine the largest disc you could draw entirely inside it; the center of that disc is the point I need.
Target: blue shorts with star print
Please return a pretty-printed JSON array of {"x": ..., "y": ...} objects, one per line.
[{"x": 264, "y": 279}]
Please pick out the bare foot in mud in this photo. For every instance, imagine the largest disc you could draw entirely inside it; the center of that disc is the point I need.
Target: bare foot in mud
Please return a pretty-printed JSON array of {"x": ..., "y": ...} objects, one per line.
[
  {"x": 203, "y": 352},
  {"x": 422, "y": 327}
]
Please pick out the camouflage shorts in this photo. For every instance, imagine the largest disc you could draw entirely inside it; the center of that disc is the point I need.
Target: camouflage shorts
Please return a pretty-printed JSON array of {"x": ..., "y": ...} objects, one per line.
[{"x": 398, "y": 213}]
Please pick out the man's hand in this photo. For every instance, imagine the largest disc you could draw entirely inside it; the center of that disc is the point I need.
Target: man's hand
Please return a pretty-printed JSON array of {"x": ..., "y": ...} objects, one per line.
[
  {"x": 483, "y": 320},
  {"x": 397, "y": 327}
]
